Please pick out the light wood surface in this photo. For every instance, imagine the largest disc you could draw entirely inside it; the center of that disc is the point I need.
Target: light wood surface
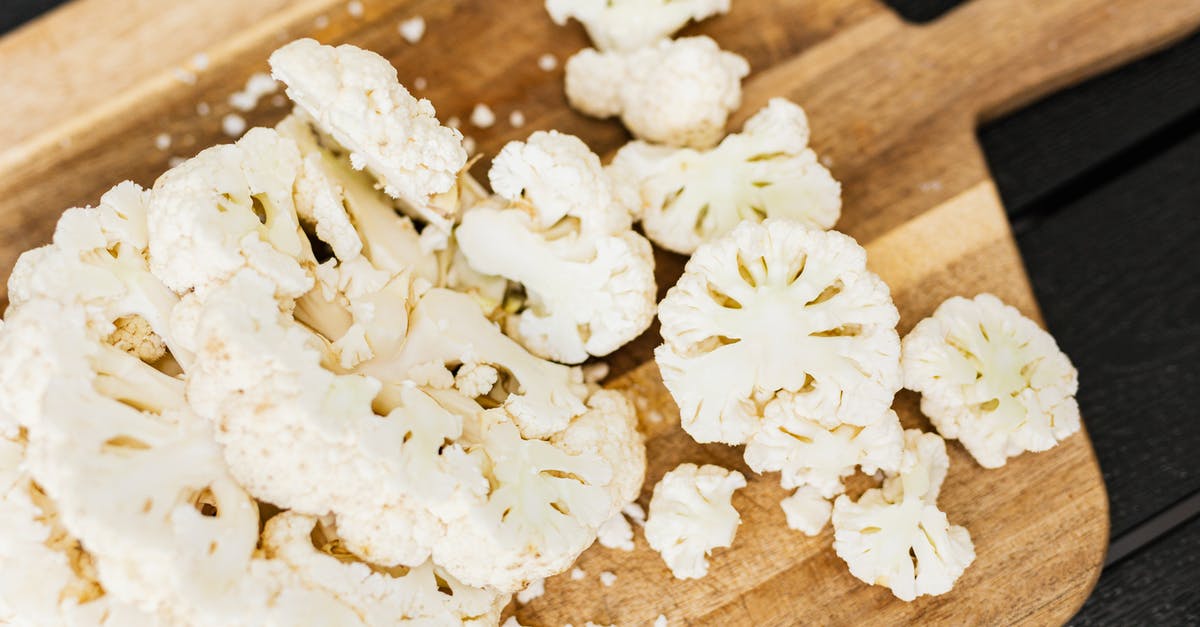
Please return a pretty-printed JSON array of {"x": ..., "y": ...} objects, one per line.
[{"x": 893, "y": 107}]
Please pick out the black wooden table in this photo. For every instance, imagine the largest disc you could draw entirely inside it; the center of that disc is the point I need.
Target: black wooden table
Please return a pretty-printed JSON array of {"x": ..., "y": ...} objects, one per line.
[{"x": 1102, "y": 184}]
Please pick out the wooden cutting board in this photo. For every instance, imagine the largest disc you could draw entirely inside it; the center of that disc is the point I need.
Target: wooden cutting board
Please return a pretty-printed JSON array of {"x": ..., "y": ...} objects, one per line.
[{"x": 88, "y": 89}]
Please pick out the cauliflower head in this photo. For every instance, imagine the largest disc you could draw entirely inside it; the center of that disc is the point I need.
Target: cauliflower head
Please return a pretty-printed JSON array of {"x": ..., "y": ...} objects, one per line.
[
  {"x": 895, "y": 536},
  {"x": 632, "y": 24},
  {"x": 685, "y": 197},
  {"x": 556, "y": 229},
  {"x": 355, "y": 97},
  {"x": 691, "y": 514},
  {"x": 677, "y": 92},
  {"x": 991, "y": 378},
  {"x": 775, "y": 307}
]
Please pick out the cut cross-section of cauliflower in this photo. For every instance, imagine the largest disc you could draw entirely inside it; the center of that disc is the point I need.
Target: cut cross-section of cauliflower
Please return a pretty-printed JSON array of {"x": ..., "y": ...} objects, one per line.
[
  {"x": 777, "y": 307},
  {"x": 630, "y": 24},
  {"x": 991, "y": 378},
  {"x": 685, "y": 197},
  {"x": 806, "y": 510},
  {"x": 353, "y": 95},
  {"x": 677, "y": 92},
  {"x": 691, "y": 514},
  {"x": 895, "y": 536},
  {"x": 557, "y": 229}
]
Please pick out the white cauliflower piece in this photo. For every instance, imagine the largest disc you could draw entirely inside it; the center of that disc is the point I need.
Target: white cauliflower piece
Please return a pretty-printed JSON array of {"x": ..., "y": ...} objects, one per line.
[
  {"x": 691, "y": 514},
  {"x": 616, "y": 533},
  {"x": 776, "y": 307},
  {"x": 677, "y": 92},
  {"x": 895, "y": 536},
  {"x": 809, "y": 453},
  {"x": 991, "y": 378},
  {"x": 353, "y": 95},
  {"x": 807, "y": 510},
  {"x": 685, "y": 197},
  {"x": 588, "y": 278},
  {"x": 632, "y": 24}
]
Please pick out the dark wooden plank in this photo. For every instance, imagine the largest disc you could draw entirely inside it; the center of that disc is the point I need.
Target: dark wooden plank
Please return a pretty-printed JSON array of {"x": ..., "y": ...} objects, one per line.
[
  {"x": 1118, "y": 277},
  {"x": 14, "y": 13},
  {"x": 1158, "y": 588}
]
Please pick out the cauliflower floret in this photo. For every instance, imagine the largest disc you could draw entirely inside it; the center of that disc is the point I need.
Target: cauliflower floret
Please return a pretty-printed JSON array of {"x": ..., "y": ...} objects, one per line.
[
  {"x": 991, "y": 378},
  {"x": 808, "y": 453},
  {"x": 354, "y": 96},
  {"x": 895, "y": 536},
  {"x": 631, "y": 24},
  {"x": 677, "y": 92},
  {"x": 686, "y": 197},
  {"x": 588, "y": 278},
  {"x": 806, "y": 510},
  {"x": 691, "y": 514},
  {"x": 777, "y": 307}
]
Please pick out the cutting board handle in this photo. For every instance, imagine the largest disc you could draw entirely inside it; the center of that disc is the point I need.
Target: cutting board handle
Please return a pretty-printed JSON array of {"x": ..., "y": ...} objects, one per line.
[{"x": 1016, "y": 51}]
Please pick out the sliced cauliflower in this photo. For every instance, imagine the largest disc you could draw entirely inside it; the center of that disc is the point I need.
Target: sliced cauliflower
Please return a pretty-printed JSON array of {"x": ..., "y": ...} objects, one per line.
[
  {"x": 685, "y": 197},
  {"x": 806, "y": 510},
  {"x": 991, "y": 378},
  {"x": 691, "y": 514},
  {"x": 559, "y": 232},
  {"x": 631, "y": 24},
  {"x": 895, "y": 536},
  {"x": 777, "y": 307},
  {"x": 677, "y": 92},
  {"x": 808, "y": 453},
  {"x": 353, "y": 95}
]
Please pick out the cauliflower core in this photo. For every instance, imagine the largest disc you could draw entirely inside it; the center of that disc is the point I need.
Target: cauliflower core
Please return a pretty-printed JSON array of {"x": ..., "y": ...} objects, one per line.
[
  {"x": 686, "y": 197},
  {"x": 895, "y": 536},
  {"x": 632, "y": 24},
  {"x": 991, "y": 378},
  {"x": 691, "y": 514},
  {"x": 771, "y": 308},
  {"x": 677, "y": 92},
  {"x": 556, "y": 228}
]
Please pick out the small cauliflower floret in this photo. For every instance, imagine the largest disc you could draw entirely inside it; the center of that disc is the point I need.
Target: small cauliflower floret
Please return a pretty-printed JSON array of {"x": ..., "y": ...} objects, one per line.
[
  {"x": 809, "y": 453},
  {"x": 991, "y": 378},
  {"x": 97, "y": 262},
  {"x": 777, "y": 307},
  {"x": 353, "y": 96},
  {"x": 631, "y": 24},
  {"x": 691, "y": 514},
  {"x": 806, "y": 510},
  {"x": 559, "y": 232},
  {"x": 616, "y": 533},
  {"x": 895, "y": 536},
  {"x": 677, "y": 92},
  {"x": 228, "y": 208},
  {"x": 424, "y": 594},
  {"x": 686, "y": 197}
]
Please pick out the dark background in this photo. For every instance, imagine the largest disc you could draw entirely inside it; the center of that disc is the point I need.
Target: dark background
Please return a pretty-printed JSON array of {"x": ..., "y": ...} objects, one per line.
[{"x": 1102, "y": 185}]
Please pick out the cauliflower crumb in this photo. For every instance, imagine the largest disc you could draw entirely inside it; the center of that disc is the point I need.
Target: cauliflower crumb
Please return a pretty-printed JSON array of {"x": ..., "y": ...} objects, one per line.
[
  {"x": 200, "y": 61},
  {"x": 469, "y": 144},
  {"x": 278, "y": 101},
  {"x": 233, "y": 125},
  {"x": 547, "y": 62},
  {"x": 202, "y": 109},
  {"x": 321, "y": 21},
  {"x": 516, "y": 119},
  {"x": 535, "y": 589},
  {"x": 595, "y": 372},
  {"x": 661, "y": 621},
  {"x": 419, "y": 83},
  {"x": 453, "y": 122},
  {"x": 162, "y": 141},
  {"x": 258, "y": 85},
  {"x": 483, "y": 116},
  {"x": 184, "y": 76},
  {"x": 412, "y": 29},
  {"x": 577, "y": 574},
  {"x": 175, "y": 161},
  {"x": 608, "y": 578},
  {"x": 654, "y": 417},
  {"x": 354, "y": 8}
]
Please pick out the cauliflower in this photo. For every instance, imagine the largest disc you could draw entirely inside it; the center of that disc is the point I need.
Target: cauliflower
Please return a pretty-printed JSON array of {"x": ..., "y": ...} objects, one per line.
[
  {"x": 677, "y": 92},
  {"x": 353, "y": 95},
  {"x": 616, "y": 533},
  {"x": 686, "y": 197},
  {"x": 895, "y": 536},
  {"x": 632, "y": 24},
  {"x": 807, "y": 510},
  {"x": 690, "y": 515},
  {"x": 772, "y": 308},
  {"x": 991, "y": 378},
  {"x": 808, "y": 453},
  {"x": 557, "y": 229}
]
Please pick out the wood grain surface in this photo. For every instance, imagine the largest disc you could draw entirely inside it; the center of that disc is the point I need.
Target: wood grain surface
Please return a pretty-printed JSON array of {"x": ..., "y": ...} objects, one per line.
[{"x": 892, "y": 105}]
